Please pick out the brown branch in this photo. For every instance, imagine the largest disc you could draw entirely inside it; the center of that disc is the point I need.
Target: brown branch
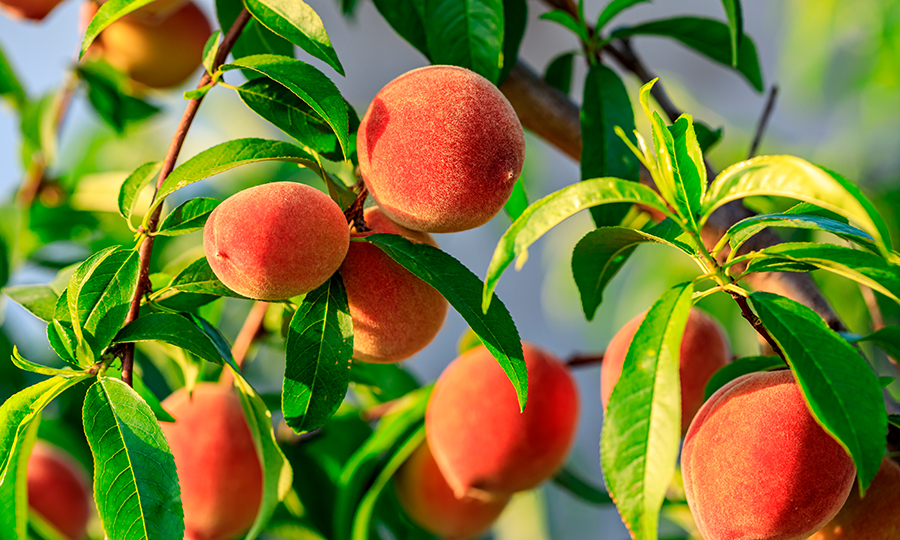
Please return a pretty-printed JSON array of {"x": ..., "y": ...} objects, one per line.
[
  {"x": 763, "y": 120},
  {"x": 146, "y": 248},
  {"x": 250, "y": 330},
  {"x": 755, "y": 322},
  {"x": 580, "y": 360},
  {"x": 355, "y": 214},
  {"x": 625, "y": 56}
]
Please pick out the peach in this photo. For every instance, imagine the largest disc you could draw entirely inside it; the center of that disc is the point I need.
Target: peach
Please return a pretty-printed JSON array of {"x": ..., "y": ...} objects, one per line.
[
  {"x": 704, "y": 349},
  {"x": 219, "y": 471},
  {"x": 440, "y": 149},
  {"x": 429, "y": 502},
  {"x": 483, "y": 445},
  {"x": 757, "y": 465},
  {"x": 158, "y": 51},
  {"x": 395, "y": 314},
  {"x": 59, "y": 490},
  {"x": 874, "y": 517},
  {"x": 35, "y": 10},
  {"x": 276, "y": 240}
]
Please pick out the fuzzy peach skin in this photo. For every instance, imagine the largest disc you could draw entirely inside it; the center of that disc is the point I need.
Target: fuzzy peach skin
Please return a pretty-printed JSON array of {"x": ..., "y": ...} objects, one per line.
[
  {"x": 157, "y": 51},
  {"x": 481, "y": 442},
  {"x": 440, "y": 149},
  {"x": 704, "y": 349},
  {"x": 429, "y": 502},
  {"x": 35, "y": 10},
  {"x": 395, "y": 314},
  {"x": 276, "y": 240},
  {"x": 874, "y": 517},
  {"x": 757, "y": 466},
  {"x": 59, "y": 490},
  {"x": 219, "y": 470}
]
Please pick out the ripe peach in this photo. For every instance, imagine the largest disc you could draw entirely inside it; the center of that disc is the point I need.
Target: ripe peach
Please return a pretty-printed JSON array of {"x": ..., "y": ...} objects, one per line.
[
  {"x": 704, "y": 349},
  {"x": 481, "y": 442},
  {"x": 874, "y": 517},
  {"x": 757, "y": 465},
  {"x": 158, "y": 51},
  {"x": 219, "y": 470},
  {"x": 276, "y": 240},
  {"x": 35, "y": 10},
  {"x": 395, "y": 314},
  {"x": 429, "y": 502},
  {"x": 59, "y": 490},
  {"x": 440, "y": 149}
]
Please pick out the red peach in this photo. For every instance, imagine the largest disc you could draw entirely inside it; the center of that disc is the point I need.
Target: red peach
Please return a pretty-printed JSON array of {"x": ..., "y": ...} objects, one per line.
[
  {"x": 59, "y": 490},
  {"x": 35, "y": 10},
  {"x": 757, "y": 465},
  {"x": 440, "y": 149},
  {"x": 276, "y": 240},
  {"x": 483, "y": 445}
]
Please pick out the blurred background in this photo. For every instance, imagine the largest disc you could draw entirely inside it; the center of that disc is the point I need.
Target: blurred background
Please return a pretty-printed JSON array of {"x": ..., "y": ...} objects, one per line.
[{"x": 837, "y": 65}]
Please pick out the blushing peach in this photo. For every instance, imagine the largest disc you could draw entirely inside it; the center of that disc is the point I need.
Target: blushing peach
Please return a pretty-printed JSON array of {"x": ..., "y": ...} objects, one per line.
[
  {"x": 276, "y": 240},
  {"x": 219, "y": 470},
  {"x": 59, "y": 490},
  {"x": 874, "y": 517},
  {"x": 395, "y": 314},
  {"x": 704, "y": 350},
  {"x": 429, "y": 502},
  {"x": 483, "y": 445},
  {"x": 756, "y": 465},
  {"x": 440, "y": 149},
  {"x": 35, "y": 10}
]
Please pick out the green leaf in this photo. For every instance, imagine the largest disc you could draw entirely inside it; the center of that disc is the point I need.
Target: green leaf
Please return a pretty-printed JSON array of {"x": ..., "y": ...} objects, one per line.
[
  {"x": 642, "y": 425},
  {"x": 227, "y": 156},
  {"x": 839, "y": 386},
  {"x": 517, "y": 202},
  {"x": 706, "y": 36},
  {"x": 606, "y": 106},
  {"x": 27, "y": 365},
  {"x": 308, "y": 84},
  {"x": 319, "y": 349},
  {"x": 277, "y": 473},
  {"x": 552, "y": 210},
  {"x": 108, "y": 94},
  {"x": 405, "y": 17},
  {"x": 599, "y": 256},
  {"x": 894, "y": 419},
  {"x": 743, "y": 230},
  {"x": 297, "y": 22},
  {"x": 515, "y": 21},
  {"x": 706, "y": 137},
  {"x": 460, "y": 287},
  {"x": 108, "y": 13},
  {"x": 558, "y": 73},
  {"x": 567, "y": 21},
  {"x": 738, "y": 368},
  {"x": 40, "y": 300},
  {"x": 887, "y": 339},
  {"x": 612, "y": 9},
  {"x": 99, "y": 298},
  {"x": 177, "y": 330},
  {"x": 255, "y": 39},
  {"x": 134, "y": 185},
  {"x": 688, "y": 160},
  {"x": 189, "y": 216},
  {"x": 38, "y": 127},
  {"x": 792, "y": 177},
  {"x": 861, "y": 266},
  {"x": 194, "y": 286},
  {"x": 211, "y": 50},
  {"x": 735, "y": 27},
  {"x": 17, "y": 414},
  {"x": 10, "y": 87},
  {"x": 152, "y": 401},
  {"x": 466, "y": 33},
  {"x": 135, "y": 482},
  {"x": 581, "y": 489}
]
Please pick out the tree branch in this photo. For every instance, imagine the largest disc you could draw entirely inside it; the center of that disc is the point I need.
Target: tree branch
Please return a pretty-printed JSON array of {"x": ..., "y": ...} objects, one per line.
[{"x": 763, "y": 120}]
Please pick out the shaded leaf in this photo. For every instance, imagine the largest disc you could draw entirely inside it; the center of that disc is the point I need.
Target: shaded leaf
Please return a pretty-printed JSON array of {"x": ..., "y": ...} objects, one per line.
[
  {"x": 134, "y": 185},
  {"x": 517, "y": 202},
  {"x": 467, "y": 33},
  {"x": 743, "y": 230},
  {"x": 612, "y": 9},
  {"x": 405, "y": 17},
  {"x": 177, "y": 330},
  {"x": 565, "y": 19},
  {"x": 515, "y": 21},
  {"x": 738, "y": 368},
  {"x": 255, "y": 39},
  {"x": 887, "y": 339},
  {"x": 108, "y": 94},
  {"x": 580, "y": 488},
  {"x": 558, "y": 73},
  {"x": 10, "y": 87},
  {"x": 187, "y": 217},
  {"x": 735, "y": 27}
]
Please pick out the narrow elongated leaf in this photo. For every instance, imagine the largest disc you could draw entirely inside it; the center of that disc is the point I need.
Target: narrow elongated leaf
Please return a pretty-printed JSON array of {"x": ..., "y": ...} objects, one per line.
[
  {"x": 211, "y": 50},
  {"x": 10, "y": 87},
  {"x": 460, "y": 287},
  {"x": 406, "y": 18},
  {"x": 517, "y": 202},
  {"x": 642, "y": 426},
  {"x": 135, "y": 482},
  {"x": 17, "y": 414},
  {"x": 22, "y": 363},
  {"x": 467, "y": 33},
  {"x": 887, "y": 339},
  {"x": 606, "y": 106},
  {"x": 735, "y": 27},
  {"x": 319, "y": 349},
  {"x": 558, "y": 73},
  {"x": 99, "y": 297},
  {"x": 612, "y": 9},
  {"x": 297, "y": 22},
  {"x": 792, "y": 177},
  {"x": 738, "y": 368},
  {"x": 231, "y": 154},
  {"x": 688, "y": 158},
  {"x": 134, "y": 185},
  {"x": 308, "y": 84},
  {"x": 861, "y": 266},
  {"x": 552, "y": 210},
  {"x": 108, "y": 13},
  {"x": 840, "y": 387},
  {"x": 600, "y": 254},
  {"x": 173, "y": 329},
  {"x": 188, "y": 217},
  {"x": 580, "y": 488},
  {"x": 109, "y": 95},
  {"x": 743, "y": 230},
  {"x": 515, "y": 20},
  {"x": 706, "y": 137},
  {"x": 706, "y": 36},
  {"x": 255, "y": 39},
  {"x": 565, "y": 19},
  {"x": 40, "y": 300},
  {"x": 277, "y": 473}
]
